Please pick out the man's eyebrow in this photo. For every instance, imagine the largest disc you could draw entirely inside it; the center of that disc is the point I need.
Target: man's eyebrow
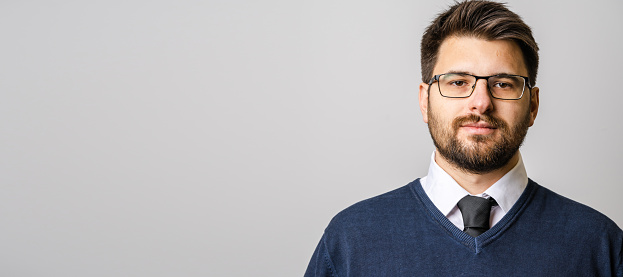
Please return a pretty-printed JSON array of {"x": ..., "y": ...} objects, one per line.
[
  {"x": 459, "y": 72},
  {"x": 471, "y": 73}
]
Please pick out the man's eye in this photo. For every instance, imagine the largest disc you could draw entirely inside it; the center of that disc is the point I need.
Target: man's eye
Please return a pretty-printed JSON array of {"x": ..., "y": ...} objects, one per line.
[
  {"x": 458, "y": 83},
  {"x": 503, "y": 85}
]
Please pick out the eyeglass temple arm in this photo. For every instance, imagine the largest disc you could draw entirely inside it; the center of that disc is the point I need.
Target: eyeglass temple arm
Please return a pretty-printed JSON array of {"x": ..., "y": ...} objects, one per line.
[{"x": 432, "y": 80}]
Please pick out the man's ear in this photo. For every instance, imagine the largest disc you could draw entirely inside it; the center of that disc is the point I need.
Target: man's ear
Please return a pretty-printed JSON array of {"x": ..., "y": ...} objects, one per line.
[
  {"x": 534, "y": 104},
  {"x": 424, "y": 101}
]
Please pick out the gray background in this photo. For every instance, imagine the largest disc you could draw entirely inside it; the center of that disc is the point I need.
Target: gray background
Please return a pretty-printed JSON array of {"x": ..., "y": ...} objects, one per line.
[{"x": 218, "y": 138}]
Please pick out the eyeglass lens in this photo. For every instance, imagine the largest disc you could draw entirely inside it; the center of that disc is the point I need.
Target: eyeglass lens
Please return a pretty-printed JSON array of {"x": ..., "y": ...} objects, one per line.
[{"x": 500, "y": 86}]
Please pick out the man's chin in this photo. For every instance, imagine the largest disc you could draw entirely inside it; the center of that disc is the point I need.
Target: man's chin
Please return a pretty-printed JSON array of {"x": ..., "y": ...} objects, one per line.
[
  {"x": 479, "y": 149},
  {"x": 478, "y": 142}
]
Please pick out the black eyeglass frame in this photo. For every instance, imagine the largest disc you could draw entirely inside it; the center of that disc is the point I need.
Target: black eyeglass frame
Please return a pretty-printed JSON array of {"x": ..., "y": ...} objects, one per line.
[{"x": 526, "y": 84}]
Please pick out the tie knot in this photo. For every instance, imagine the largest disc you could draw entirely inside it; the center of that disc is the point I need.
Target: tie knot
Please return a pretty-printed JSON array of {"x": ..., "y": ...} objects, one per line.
[{"x": 476, "y": 212}]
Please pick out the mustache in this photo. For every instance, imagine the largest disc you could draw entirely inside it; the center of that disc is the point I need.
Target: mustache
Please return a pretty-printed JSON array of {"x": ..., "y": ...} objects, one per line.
[{"x": 473, "y": 118}]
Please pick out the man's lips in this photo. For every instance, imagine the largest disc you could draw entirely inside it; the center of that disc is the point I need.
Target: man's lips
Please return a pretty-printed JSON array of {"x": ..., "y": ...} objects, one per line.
[
  {"x": 478, "y": 128},
  {"x": 479, "y": 124}
]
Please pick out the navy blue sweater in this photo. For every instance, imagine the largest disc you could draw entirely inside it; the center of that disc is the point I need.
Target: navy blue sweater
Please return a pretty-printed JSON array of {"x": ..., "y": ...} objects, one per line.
[{"x": 402, "y": 233}]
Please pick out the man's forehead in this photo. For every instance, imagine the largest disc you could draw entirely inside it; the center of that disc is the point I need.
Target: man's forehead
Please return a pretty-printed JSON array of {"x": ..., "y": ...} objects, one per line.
[{"x": 476, "y": 56}]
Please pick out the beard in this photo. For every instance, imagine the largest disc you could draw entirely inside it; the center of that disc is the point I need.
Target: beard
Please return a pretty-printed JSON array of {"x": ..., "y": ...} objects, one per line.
[{"x": 482, "y": 153}]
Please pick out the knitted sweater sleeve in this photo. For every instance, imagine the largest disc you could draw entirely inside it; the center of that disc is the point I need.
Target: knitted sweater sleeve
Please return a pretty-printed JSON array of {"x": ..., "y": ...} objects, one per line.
[
  {"x": 619, "y": 272},
  {"x": 321, "y": 264}
]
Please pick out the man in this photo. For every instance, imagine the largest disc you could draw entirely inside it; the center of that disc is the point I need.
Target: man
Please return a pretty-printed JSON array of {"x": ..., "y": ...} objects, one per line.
[{"x": 476, "y": 213}]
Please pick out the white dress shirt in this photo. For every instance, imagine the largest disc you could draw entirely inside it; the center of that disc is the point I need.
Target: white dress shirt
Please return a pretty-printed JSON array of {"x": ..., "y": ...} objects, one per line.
[{"x": 445, "y": 192}]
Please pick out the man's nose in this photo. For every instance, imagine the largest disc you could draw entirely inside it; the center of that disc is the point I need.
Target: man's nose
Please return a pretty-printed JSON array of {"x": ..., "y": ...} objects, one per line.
[{"x": 481, "y": 100}]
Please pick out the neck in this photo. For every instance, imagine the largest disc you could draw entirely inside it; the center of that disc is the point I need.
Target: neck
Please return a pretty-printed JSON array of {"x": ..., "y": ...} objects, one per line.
[{"x": 472, "y": 182}]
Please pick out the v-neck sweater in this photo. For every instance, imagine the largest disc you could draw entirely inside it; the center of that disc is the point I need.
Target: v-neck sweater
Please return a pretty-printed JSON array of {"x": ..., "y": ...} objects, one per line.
[{"x": 402, "y": 233}]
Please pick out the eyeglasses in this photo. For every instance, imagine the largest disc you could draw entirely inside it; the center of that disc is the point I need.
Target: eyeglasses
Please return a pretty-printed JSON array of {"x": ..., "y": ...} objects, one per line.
[{"x": 462, "y": 85}]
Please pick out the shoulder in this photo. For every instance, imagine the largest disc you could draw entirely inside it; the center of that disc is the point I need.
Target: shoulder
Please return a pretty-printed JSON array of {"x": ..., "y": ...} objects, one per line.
[
  {"x": 560, "y": 210},
  {"x": 572, "y": 225},
  {"x": 392, "y": 200},
  {"x": 388, "y": 207}
]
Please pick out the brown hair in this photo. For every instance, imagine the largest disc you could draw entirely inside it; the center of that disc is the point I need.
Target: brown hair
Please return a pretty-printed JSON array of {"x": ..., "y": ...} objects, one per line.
[{"x": 482, "y": 19}]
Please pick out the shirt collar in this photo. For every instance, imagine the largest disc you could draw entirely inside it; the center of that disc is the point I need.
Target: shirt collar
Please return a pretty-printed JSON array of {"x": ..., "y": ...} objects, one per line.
[{"x": 445, "y": 192}]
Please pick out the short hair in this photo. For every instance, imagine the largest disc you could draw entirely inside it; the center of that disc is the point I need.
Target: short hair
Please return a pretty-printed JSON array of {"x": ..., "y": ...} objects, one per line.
[{"x": 482, "y": 19}]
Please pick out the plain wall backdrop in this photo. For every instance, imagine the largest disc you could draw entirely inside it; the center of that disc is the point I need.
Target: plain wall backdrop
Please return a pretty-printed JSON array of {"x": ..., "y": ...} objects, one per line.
[{"x": 218, "y": 138}]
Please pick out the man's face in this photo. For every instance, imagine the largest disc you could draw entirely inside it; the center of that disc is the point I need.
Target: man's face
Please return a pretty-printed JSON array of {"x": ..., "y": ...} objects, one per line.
[{"x": 478, "y": 134}]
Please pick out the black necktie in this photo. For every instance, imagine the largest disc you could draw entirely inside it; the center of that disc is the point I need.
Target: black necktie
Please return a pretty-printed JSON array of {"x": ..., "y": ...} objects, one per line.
[{"x": 476, "y": 211}]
